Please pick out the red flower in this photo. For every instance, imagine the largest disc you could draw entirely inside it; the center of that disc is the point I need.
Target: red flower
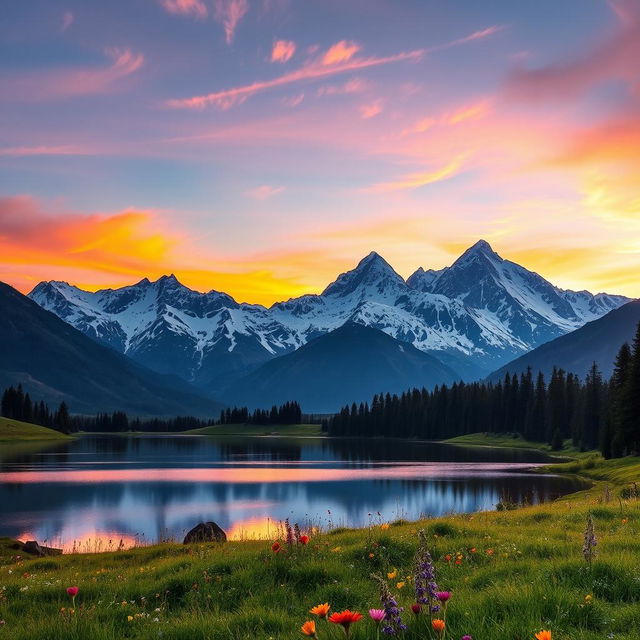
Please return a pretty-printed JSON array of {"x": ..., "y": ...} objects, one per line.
[
  {"x": 275, "y": 547},
  {"x": 73, "y": 591},
  {"x": 416, "y": 608},
  {"x": 304, "y": 539},
  {"x": 345, "y": 618}
]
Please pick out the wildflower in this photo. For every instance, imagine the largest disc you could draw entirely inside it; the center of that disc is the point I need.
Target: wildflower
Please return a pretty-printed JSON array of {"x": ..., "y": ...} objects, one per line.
[
  {"x": 400, "y": 585},
  {"x": 472, "y": 550},
  {"x": 489, "y": 552},
  {"x": 438, "y": 626},
  {"x": 275, "y": 547},
  {"x": 425, "y": 577},
  {"x": 309, "y": 629},
  {"x": 625, "y": 520},
  {"x": 448, "y": 557},
  {"x": 416, "y": 608},
  {"x": 288, "y": 531},
  {"x": 304, "y": 540},
  {"x": 443, "y": 596},
  {"x": 543, "y": 635},
  {"x": 392, "y": 618},
  {"x": 458, "y": 561},
  {"x": 320, "y": 610},
  {"x": 393, "y": 574},
  {"x": 590, "y": 541},
  {"x": 377, "y": 615},
  {"x": 384, "y": 526},
  {"x": 337, "y": 549},
  {"x": 345, "y": 618},
  {"x": 129, "y": 618},
  {"x": 466, "y": 637},
  {"x": 588, "y": 599},
  {"x": 73, "y": 592}
]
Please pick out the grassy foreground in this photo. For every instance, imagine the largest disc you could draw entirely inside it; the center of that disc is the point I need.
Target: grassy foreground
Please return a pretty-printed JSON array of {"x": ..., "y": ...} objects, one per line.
[
  {"x": 511, "y": 573},
  {"x": 14, "y": 430}
]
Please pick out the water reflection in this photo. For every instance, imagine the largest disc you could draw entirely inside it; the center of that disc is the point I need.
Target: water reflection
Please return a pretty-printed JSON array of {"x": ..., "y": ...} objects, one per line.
[{"x": 154, "y": 488}]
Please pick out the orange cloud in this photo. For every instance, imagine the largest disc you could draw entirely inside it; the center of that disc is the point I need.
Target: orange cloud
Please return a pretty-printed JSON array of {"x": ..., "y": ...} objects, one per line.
[
  {"x": 283, "y": 51},
  {"x": 342, "y": 51},
  {"x": 195, "y": 8},
  {"x": 229, "y": 13},
  {"x": 65, "y": 83},
  {"x": 415, "y": 180}
]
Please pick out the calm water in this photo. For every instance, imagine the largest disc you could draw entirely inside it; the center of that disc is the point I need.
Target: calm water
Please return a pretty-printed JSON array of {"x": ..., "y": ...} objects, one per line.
[{"x": 152, "y": 488}]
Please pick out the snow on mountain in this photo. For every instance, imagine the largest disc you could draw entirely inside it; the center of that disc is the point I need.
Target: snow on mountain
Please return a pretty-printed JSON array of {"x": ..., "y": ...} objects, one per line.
[{"x": 475, "y": 315}]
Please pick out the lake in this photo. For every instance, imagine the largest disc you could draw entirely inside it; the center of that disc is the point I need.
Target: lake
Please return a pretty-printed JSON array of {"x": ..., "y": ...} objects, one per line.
[{"x": 98, "y": 492}]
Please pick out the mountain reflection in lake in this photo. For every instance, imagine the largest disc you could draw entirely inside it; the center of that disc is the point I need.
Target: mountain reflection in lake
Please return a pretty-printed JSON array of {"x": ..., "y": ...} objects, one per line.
[{"x": 151, "y": 488}]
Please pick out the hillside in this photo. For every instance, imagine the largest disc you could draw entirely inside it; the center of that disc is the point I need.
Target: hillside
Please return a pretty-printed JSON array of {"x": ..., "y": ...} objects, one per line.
[
  {"x": 17, "y": 431},
  {"x": 56, "y": 362},
  {"x": 350, "y": 364},
  {"x": 597, "y": 341}
]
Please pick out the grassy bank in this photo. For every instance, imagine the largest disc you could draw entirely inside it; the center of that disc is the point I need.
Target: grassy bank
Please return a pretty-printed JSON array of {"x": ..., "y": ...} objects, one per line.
[
  {"x": 257, "y": 430},
  {"x": 517, "y": 442},
  {"x": 511, "y": 573},
  {"x": 16, "y": 431}
]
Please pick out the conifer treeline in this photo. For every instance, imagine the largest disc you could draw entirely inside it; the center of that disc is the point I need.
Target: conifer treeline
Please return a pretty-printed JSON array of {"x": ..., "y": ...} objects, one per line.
[
  {"x": 288, "y": 413},
  {"x": 17, "y": 404},
  {"x": 594, "y": 413}
]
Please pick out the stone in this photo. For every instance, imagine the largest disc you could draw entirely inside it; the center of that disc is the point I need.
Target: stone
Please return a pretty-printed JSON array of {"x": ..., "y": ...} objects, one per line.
[
  {"x": 205, "y": 532},
  {"x": 33, "y": 548}
]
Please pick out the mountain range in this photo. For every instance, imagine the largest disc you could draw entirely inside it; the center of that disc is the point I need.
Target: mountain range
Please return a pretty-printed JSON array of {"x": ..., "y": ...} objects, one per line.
[
  {"x": 55, "y": 363},
  {"x": 474, "y": 317}
]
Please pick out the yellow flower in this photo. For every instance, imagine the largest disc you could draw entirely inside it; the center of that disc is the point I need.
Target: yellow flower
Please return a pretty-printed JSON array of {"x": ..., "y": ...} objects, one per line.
[
  {"x": 129, "y": 618},
  {"x": 399, "y": 585},
  {"x": 392, "y": 574},
  {"x": 588, "y": 599},
  {"x": 372, "y": 555},
  {"x": 336, "y": 549}
]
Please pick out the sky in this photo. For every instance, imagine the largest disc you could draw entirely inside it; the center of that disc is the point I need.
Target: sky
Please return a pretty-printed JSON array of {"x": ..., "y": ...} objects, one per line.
[{"x": 261, "y": 147}]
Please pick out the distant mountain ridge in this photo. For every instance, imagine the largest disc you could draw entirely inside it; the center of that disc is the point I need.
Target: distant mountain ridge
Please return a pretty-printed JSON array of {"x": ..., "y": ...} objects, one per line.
[
  {"x": 476, "y": 315},
  {"x": 56, "y": 362}
]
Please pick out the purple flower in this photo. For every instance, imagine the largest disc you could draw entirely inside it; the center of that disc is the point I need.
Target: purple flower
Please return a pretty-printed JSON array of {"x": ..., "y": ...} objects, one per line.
[
  {"x": 425, "y": 577},
  {"x": 443, "y": 596},
  {"x": 466, "y": 637},
  {"x": 392, "y": 621}
]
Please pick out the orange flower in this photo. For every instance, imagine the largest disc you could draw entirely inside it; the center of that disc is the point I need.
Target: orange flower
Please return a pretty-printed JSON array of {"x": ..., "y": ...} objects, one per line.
[
  {"x": 320, "y": 610},
  {"x": 309, "y": 628},
  {"x": 346, "y": 618},
  {"x": 438, "y": 625},
  {"x": 543, "y": 635},
  {"x": 275, "y": 547}
]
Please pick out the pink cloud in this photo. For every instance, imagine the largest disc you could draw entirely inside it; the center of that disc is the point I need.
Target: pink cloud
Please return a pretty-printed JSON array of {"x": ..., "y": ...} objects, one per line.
[
  {"x": 194, "y": 8},
  {"x": 615, "y": 57},
  {"x": 371, "y": 110},
  {"x": 67, "y": 20},
  {"x": 228, "y": 97},
  {"x": 69, "y": 82},
  {"x": 421, "y": 179},
  {"x": 229, "y": 13},
  {"x": 293, "y": 101},
  {"x": 283, "y": 51},
  {"x": 355, "y": 85},
  {"x": 264, "y": 192},
  {"x": 340, "y": 52}
]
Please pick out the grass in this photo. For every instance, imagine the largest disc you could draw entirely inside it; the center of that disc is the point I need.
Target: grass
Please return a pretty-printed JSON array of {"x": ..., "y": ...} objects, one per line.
[
  {"x": 257, "y": 430},
  {"x": 14, "y": 430},
  {"x": 520, "y": 571},
  {"x": 515, "y": 441}
]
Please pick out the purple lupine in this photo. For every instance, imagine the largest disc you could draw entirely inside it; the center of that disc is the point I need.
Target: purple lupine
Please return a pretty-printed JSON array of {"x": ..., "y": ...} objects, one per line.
[
  {"x": 590, "y": 541},
  {"x": 425, "y": 577},
  {"x": 288, "y": 532},
  {"x": 392, "y": 622}
]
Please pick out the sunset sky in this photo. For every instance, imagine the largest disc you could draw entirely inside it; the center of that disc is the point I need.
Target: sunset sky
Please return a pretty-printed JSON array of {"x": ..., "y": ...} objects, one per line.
[{"x": 260, "y": 147}]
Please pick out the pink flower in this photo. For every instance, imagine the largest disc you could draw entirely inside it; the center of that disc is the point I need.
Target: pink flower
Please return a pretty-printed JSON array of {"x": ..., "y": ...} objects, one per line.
[
  {"x": 377, "y": 615},
  {"x": 73, "y": 591},
  {"x": 443, "y": 596}
]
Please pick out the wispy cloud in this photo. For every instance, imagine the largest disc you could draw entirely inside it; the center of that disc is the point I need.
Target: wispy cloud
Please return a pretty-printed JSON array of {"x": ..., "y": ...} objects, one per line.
[
  {"x": 264, "y": 192},
  {"x": 371, "y": 109},
  {"x": 339, "y": 58},
  {"x": 340, "y": 52},
  {"x": 293, "y": 101},
  {"x": 194, "y": 8},
  {"x": 283, "y": 51},
  {"x": 421, "y": 179},
  {"x": 67, "y": 20},
  {"x": 68, "y": 82},
  {"x": 229, "y": 13},
  {"x": 229, "y": 97}
]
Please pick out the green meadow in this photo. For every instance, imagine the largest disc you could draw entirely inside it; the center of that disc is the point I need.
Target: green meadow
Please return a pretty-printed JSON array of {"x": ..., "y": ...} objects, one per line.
[{"x": 512, "y": 574}]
